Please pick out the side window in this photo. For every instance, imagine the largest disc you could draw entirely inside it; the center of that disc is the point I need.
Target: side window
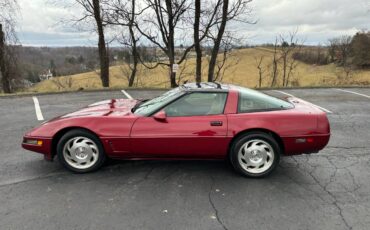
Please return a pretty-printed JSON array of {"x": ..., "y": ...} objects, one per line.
[
  {"x": 250, "y": 101},
  {"x": 197, "y": 104}
]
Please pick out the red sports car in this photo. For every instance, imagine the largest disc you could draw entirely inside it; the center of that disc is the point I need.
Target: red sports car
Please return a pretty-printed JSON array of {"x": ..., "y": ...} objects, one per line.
[{"x": 193, "y": 121}]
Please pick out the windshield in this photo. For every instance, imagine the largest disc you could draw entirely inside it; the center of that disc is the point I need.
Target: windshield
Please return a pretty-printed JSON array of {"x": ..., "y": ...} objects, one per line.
[{"x": 153, "y": 105}]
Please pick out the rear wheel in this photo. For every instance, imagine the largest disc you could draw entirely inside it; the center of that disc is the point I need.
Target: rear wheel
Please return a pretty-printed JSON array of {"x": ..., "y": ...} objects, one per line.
[
  {"x": 255, "y": 154},
  {"x": 80, "y": 151}
]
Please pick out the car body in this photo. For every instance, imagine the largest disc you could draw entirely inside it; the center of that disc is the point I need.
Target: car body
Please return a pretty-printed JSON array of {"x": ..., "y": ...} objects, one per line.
[{"x": 193, "y": 121}]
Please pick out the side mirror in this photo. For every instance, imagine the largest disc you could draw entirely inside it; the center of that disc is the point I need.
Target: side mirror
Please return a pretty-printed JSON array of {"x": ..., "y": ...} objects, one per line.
[{"x": 160, "y": 116}]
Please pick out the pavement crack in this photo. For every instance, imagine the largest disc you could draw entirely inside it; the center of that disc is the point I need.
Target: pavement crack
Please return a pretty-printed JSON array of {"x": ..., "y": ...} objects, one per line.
[
  {"x": 145, "y": 177},
  {"x": 213, "y": 205},
  {"x": 148, "y": 173},
  {"x": 324, "y": 187},
  {"x": 303, "y": 187},
  {"x": 351, "y": 147}
]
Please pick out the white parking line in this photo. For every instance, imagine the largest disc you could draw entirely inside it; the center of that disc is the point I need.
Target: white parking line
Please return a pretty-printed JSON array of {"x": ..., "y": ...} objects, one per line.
[
  {"x": 360, "y": 94},
  {"x": 126, "y": 94},
  {"x": 38, "y": 109},
  {"x": 290, "y": 95}
]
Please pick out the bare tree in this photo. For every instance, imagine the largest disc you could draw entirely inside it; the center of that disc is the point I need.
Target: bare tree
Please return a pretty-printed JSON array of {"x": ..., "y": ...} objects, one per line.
[
  {"x": 275, "y": 60},
  {"x": 198, "y": 49},
  {"x": 160, "y": 24},
  {"x": 292, "y": 65},
  {"x": 205, "y": 17},
  {"x": 333, "y": 47},
  {"x": 124, "y": 13},
  {"x": 8, "y": 39},
  {"x": 231, "y": 10},
  {"x": 217, "y": 41},
  {"x": 94, "y": 9},
  {"x": 340, "y": 49},
  {"x": 226, "y": 59},
  {"x": 283, "y": 61},
  {"x": 260, "y": 69},
  {"x": 344, "y": 48},
  {"x": 288, "y": 47}
]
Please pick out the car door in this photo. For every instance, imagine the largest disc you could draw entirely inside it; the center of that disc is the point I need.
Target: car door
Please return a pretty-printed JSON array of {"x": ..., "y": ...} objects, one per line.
[{"x": 194, "y": 127}]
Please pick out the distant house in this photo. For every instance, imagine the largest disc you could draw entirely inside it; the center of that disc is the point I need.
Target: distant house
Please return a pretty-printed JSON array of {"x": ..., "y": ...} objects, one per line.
[{"x": 46, "y": 75}]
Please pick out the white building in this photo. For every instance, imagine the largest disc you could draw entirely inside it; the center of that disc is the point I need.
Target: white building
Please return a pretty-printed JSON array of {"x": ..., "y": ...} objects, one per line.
[{"x": 46, "y": 76}]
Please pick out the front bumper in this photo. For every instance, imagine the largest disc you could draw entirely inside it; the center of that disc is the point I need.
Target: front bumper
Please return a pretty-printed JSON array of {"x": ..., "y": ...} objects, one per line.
[{"x": 44, "y": 148}]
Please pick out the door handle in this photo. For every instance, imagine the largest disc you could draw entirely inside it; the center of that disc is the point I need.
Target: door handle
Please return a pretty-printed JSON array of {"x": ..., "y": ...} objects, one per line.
[{"x": 216, "y": 123}]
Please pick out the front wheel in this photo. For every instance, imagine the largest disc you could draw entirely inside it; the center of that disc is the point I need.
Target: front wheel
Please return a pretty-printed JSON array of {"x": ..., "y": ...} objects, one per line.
[
  {"x": 80, "y": 151},
  {"x": 255, "y": 154}
]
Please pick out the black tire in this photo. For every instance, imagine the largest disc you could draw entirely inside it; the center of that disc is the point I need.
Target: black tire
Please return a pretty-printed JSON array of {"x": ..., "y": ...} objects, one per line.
[
  {"x": 249, "y": 138},
  {"x": 75, "y": 133}
]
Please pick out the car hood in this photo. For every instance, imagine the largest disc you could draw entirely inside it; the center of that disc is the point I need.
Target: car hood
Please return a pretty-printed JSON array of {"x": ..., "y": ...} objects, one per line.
[
  {"x": 113, "y": 107},
  {"x": 86, "y": 117}
]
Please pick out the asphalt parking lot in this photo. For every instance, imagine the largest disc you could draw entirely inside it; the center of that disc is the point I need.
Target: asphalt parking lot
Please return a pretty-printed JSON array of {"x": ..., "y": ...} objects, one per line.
[{"x": 329, "y": 190}]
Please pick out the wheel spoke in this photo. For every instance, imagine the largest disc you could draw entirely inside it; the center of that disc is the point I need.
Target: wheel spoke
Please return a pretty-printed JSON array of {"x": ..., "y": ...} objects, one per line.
[
  {"x": 254, "y": 145},
  {"x": 269, "y": 154}
]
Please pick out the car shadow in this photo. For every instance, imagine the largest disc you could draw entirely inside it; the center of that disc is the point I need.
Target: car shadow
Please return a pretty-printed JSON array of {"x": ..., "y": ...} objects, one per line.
[
  {"x": 215, "y": 168},
  {"x": 164, "y": 170}
]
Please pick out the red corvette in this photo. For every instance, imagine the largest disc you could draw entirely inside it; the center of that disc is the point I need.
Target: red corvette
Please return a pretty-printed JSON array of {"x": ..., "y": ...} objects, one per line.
[{"x": 193, "y": 121}]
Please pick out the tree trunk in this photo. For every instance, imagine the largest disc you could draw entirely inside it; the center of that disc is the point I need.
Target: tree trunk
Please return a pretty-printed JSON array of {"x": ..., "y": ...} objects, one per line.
[
  {"x": 171, "y": 55},
  {"x": 3, "y": 69},
  {"x": 135, "y": 60},
  {"x": 132, "y": 77},
  {"x": 171, "y": 43},
  {"x": 260, "y": 76},
  {"x": 198, "y": 50},
  {"x": 291, "y": 67},
  {"x": 134, "y": 50},
  {"x": 284, "y": 67},
  {"x": 274, "y": 66},
  {"x": 172, "y": 75},
  {"x": 274, "y": 72},
  {"x": 216, "y": 48},
  {"x": 260, "y": 80},
  {"x": 104, "y": 59}
]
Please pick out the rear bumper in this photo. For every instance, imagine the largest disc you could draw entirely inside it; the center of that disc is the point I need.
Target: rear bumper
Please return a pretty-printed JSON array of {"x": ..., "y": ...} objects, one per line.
[
  {"x": 44, "y": 148},
  {"x": 305, "y": 144}
]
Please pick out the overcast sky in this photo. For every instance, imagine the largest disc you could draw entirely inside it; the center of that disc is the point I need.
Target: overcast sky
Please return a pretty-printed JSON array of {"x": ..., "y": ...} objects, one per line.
[{"x": 316, "y": 20}]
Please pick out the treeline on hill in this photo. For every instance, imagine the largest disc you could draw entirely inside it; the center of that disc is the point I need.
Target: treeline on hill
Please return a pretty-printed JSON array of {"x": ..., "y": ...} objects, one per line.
[
  {"x": 345, "y": 51},
  {"x": 34, "y": 62},
  {"x": 37, "y": 61}
]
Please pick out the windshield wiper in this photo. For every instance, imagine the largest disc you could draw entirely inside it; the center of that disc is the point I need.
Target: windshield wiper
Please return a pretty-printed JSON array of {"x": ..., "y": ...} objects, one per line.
[{"x": 138, "y": 105}]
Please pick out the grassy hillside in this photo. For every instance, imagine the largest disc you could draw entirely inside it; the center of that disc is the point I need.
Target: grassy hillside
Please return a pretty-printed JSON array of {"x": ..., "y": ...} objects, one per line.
[{"x": 241, "y": 70}]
